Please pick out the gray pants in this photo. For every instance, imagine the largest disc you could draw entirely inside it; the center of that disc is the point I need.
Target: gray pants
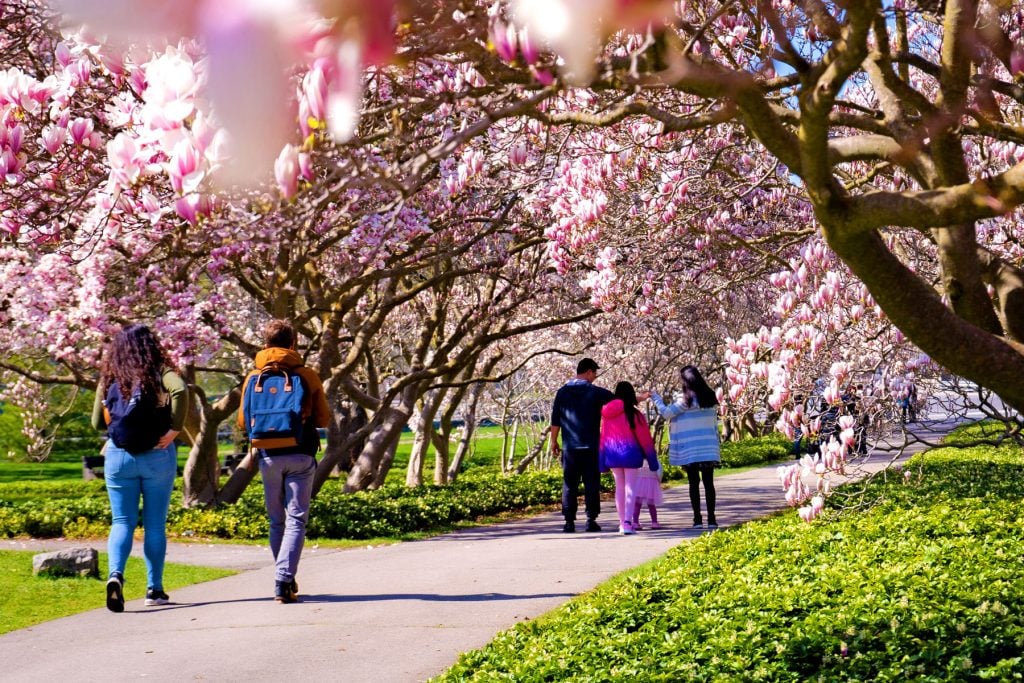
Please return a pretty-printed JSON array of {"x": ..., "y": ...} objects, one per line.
[{"x": 287, "y": 485}]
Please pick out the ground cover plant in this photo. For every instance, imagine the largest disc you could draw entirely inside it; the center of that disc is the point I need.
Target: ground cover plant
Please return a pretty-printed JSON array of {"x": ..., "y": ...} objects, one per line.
[
  {"x": 926, "y": 584},
  {"x": 26, "y": 599}
]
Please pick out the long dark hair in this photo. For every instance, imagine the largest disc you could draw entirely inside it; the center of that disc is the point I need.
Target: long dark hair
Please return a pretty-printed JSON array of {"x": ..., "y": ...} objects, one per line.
[
  {"x": 134, "y": 360},
  {"x": 626, "y": 392},
  {"x": 694, "y": 387}
]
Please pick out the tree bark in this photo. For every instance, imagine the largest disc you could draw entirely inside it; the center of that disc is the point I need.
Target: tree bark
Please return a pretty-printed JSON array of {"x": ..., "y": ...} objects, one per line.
[
  {"x": 390, "y": 422},
  {"x": 468, "y": 430},
  {"x": 342, "y": 448},
  {"x": 239, "y": 480},
  {"x": 532, "y": 455},
  {"x": 201, "y": 477},
  {"x": 385, "y": 465},
  {"x": 423, "y": 430}
]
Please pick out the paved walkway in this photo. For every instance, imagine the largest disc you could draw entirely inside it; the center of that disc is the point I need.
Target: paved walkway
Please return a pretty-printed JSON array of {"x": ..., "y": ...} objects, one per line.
[{"x": 391, "y": 613}]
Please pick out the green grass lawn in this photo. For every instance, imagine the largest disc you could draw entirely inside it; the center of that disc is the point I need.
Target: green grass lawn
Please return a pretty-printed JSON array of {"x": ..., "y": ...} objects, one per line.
[
  {"x": 26, "y": 599},
  {"x": 51, "y": 470}
]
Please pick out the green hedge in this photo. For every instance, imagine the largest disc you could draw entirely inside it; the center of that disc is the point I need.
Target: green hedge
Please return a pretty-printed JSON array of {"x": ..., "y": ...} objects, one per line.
[
  {"x": 926, "y": 585},
  {"x": 76, "y": 509},
  {"x": 389, "y": 511},
  {"x": 50, "y": 490}
]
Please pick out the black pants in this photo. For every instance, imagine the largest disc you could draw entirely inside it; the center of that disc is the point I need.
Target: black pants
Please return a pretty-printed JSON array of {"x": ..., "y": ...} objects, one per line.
[
  {"x": 580, "y": 465},
  {"x": 694, "y": 473}
]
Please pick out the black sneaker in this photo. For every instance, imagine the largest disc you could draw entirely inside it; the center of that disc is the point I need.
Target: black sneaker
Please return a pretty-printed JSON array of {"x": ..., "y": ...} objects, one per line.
[
  {"x": 712, "y": 524},
  {"x": 570, "y": 527},
  {"x": 283, "y": 592},
  {"x": 593, "y": 526},
  {"x": 155, "y": 596},
  {"x": 115, "y": 593},
  {"x": 698, "y": 523}
]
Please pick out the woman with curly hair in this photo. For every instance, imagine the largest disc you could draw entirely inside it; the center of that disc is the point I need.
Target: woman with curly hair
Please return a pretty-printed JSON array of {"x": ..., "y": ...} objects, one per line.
[{"x": 141, "y": 402}]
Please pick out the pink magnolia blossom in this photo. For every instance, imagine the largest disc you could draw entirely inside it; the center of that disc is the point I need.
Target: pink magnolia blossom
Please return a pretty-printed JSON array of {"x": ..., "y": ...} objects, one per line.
[
  {"x": 527, "y": 47},
  {"x": 575, "y": 28},
  {"x": 81, "y": 129},
  {"x": 345, "y": 99},
  {"x": 306, "y": 166},
  {"x": 53, "y": 138},
  {"x": 505, "y": 40},
  {"x": 123, "y": 158},
  {"x": 1017, "y": 60},
  {"x": 245, "y": 46},
  {"x": 184, "y": 168},
  {"x": 286, "y": 171},
  {"x": 171, "y": 86},
  {"x": 517, "y": 155},
  {"x": 188, "y": 207},
  {"x": 315, "y": 90},
  {"x": 247, "y": 42}
]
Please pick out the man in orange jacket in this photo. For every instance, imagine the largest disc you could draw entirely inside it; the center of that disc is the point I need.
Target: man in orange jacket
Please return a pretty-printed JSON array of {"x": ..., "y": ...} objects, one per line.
[{"x": 288, "y": 472}]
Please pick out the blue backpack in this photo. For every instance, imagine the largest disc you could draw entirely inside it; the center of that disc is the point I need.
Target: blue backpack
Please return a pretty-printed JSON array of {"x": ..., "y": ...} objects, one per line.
[
  {"x": 136, "y": 423},
  {"x": 272, "y": 408}
]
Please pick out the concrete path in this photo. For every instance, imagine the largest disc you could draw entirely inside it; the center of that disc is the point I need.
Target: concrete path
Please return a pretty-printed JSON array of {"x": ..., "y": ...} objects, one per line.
[{"x": 391, "y": 613}]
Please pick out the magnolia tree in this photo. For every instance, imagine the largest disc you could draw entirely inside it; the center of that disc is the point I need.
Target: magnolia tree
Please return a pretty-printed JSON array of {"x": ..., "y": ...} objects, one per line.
[
  {"x": 889, "y": 120},
  {"x": 400, "y": 257},
  {"x": 773, "y": 165},
  {"x": 885, "y": 117}
]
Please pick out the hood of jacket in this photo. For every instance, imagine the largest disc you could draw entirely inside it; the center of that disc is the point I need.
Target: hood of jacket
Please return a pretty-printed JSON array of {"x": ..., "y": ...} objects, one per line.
[
  {"x": 613, "y": 409},
  {"x": 288, "y": 358}
]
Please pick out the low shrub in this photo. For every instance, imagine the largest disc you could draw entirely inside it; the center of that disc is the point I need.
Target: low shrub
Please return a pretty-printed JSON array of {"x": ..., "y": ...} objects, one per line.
[
  {"x": 755, "y": 451},
  {"x": 396, "y": 510},
  {"x": 51, "y": 490},
  {"x": 925, "y": 585},
  {"x": 79, "y": 508},
  {"x": 393, "y": 510}
]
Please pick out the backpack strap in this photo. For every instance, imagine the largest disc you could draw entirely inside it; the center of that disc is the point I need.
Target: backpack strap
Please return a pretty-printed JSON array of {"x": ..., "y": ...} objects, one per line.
[{"x": 273, "y": 368}]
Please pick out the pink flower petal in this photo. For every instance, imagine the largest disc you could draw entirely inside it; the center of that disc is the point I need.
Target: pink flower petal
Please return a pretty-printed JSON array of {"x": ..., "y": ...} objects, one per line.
[{"x": 248, "y": 89}]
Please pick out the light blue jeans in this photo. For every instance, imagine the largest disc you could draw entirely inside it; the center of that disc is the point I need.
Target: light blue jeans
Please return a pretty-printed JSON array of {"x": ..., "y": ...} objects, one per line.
[
  {"x": 287, "y": 487},
  {"x": 149, "y": 475}
]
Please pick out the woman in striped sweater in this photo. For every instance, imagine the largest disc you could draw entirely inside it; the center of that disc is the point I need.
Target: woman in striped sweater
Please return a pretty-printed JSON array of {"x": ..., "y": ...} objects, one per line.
[
  {"x": 624, "y": 445},
  {"x": 693, "y": 438}
]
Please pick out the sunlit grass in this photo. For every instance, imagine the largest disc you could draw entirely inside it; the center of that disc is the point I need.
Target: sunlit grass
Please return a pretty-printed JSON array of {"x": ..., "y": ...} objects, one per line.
[{"x": 26, "y": 599}]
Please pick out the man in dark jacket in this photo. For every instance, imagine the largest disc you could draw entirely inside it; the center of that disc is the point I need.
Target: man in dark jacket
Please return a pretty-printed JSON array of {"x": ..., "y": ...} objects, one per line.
[
  {"x": 288, "y": 472},
  {"x": 576, "y": 415}
]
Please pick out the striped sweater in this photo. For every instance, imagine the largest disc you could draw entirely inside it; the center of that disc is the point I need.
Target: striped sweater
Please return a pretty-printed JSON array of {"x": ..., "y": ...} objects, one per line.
[{"x": 692, "y": 432}]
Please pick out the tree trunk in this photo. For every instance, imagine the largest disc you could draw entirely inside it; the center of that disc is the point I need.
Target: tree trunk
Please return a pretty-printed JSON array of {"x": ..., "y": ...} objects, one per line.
[
  {"x": 390, "y": 422},
  {"x": 340, "y": 452},
  {"x": 423, "y": 429},
  {"x": 239, "y": 480},
  {"x": 385, "y": 465},
  {"x": 918, "y": 311},
  {"x": 418, "y": 453},
  {"x": 532, "y": 455},
  {"x": 201, "y": 478},
  {"x": 512, "y": 444},
  {"x": 468, "y": 429},
  {"x": 441, "y": 452}
]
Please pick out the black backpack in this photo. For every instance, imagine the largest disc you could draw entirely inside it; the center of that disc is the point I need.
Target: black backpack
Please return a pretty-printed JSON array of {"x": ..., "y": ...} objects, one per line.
[{"x": 136, "y": 423}]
